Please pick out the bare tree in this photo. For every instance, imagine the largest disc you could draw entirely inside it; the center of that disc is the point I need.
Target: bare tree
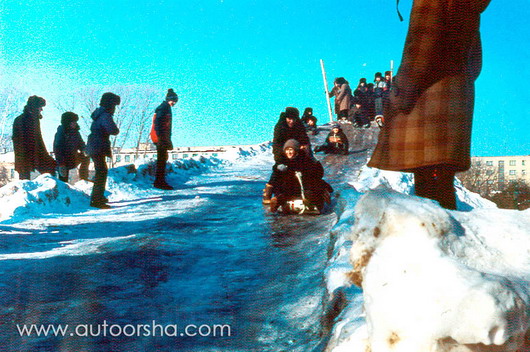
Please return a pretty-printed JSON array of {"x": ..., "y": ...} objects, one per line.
[
  {"x": 83, "y": 102},
  {"x": 480, "y": 178},
  {"x": 11, "y": 104}
]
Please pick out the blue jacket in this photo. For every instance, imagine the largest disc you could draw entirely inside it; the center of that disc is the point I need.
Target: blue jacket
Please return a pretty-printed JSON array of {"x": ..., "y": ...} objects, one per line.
[{"x": 103, "y": 126}]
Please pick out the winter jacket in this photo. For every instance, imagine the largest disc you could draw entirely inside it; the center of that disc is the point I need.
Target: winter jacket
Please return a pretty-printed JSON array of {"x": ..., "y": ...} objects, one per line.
[
  {"x": 343, "y": 97},
  {"x": 379, "y": 88},
  {"x": 282, "y": 133},
  {"x": 162, "y": 124},
  {"x": 67, "y": 144},
  {"x": 29, "y": 147},
  {"x": 428, "y": 118},
  {"x": 103, "y": 126},
  {"x": 336, "y": 143},
  {"x": 308, "y": 115},
  {"x": 284, "y": 179}
]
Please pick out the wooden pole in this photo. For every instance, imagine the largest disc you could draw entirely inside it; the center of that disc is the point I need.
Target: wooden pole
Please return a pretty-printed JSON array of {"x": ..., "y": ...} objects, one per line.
[{"x": 326, "y": 90}]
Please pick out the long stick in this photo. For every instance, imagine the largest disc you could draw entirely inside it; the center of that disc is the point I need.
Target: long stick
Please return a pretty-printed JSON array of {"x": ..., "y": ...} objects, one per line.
[{"x": 326, "y": 90}]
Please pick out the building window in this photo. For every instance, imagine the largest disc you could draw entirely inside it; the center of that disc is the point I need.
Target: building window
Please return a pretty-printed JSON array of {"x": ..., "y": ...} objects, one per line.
[
  {"x": 501, "y": 163},
  {"x": 127, "y": 158},
  {"x": 174, "y": 156},
  {"x": 477, "y": 162},
  {"x": 489, "y": 172},
  {"x": 195, "y": 155},
  {"x": 489, "y": 163},
  {"x": 185, "y": 155},
  {"x": 522, "y": 162},
  {"x": 215, "y": 154},
  {"x": 12, "y": 173},
  {"x": 512, "y": 172},
  {"x": 512, "y": 162},
  {"x": 523, "y": 172},
  {"x": 118, "y": 158}
]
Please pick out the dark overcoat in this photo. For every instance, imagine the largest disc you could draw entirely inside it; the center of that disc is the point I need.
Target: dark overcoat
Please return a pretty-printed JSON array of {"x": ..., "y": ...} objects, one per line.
[
  {"x": 163, "y": 124},
  {"x": 428, "y": 118},
  {"x": 282, "y": 133},
  {"x": 29, "y": 147}
]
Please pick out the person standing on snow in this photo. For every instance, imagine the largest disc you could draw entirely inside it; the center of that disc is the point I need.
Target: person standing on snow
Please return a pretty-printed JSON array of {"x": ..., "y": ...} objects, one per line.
[
  {"x": 30, "y": 150},
  {"x": 98, "y": 146},
  {"x": 427, "y": 127},
  {"x": 69, "y": 148},
  {"x": 343, "y": 97},
  {"x": 161, "y": 137}
]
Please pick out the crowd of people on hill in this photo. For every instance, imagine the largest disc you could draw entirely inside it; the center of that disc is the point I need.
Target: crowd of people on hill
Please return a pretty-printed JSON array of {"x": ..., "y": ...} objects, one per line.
[
  {"x": 365, "y": 103},
  {"x": 71, "y": 151}
]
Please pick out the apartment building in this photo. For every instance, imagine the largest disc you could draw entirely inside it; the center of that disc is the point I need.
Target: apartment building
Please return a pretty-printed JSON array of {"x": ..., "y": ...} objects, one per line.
[{"x": 505, "y": 169}]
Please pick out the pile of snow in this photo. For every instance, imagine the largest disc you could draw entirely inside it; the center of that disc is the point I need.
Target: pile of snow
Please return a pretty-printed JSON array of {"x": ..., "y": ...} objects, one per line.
[
  {"x": 45, "y": 194},
  {"x": 372, "y": 178},
  {"x": 432, "y": 279}
]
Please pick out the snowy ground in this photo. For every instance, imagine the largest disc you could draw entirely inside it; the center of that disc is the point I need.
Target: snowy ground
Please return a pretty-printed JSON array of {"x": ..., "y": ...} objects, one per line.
[{"x": 432, "y": 280}]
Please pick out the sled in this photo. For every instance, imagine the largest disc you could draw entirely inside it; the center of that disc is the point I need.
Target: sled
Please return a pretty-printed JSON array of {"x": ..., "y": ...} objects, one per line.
[{"x": 299, "y": 205}]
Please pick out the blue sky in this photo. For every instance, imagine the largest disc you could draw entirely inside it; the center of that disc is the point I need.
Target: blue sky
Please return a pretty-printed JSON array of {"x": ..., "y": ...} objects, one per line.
[{"x": 236, "y": 64}]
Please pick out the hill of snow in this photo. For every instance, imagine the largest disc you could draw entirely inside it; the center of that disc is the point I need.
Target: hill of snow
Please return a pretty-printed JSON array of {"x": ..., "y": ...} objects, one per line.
[{"x": 408, "y": 275}]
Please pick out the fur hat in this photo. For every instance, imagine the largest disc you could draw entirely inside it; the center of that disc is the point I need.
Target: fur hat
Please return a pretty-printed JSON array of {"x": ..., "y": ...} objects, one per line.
[
  {"x": 292, "y": 113},
  {"x": 340, "y": 80},
  {"x": 388, "y": 73},
  {"x": 109, "y": 100},
  {"x": 35, "y": 102},
  {"x": 378, "y": 74},
  {"x": 292, "y": 143},
  {"x": 308, "y": 110},
  {"x": 171, "y": 95},
  {"x": 68, "y": 117}
]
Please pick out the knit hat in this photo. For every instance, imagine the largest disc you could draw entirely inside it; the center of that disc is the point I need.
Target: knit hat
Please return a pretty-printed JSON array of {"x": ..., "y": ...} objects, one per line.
[
  {"x": 292, "y": 143},
  {"x": 292, "y": 113},
  {"x": 36, "y": 102},
  {"x": 68, "y": 117},
  {"x": 362, "y": 80},
  {"x": 308, "y": 110},
  {"x": 171, "y": 95}
]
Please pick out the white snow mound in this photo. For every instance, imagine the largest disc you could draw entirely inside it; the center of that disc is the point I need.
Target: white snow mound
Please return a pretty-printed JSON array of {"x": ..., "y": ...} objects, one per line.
[{"x": 435, "y": 280}]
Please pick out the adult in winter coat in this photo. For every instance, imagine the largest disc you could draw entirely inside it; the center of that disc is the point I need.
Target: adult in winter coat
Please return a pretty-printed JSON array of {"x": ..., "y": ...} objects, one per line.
[
  {"x": 161, "y": 136},
  {"x": 289, "y": 126},
  {"x": 69, "y": 148},
  {"x": 336, "y": 142},
  {"x": 343, "y": 96},
  {"x": 428, "y": 121},
  {"x": 30, "y": 150},
  {"x": 286, "y": 185},
  {"x": 98, "y": 145}
]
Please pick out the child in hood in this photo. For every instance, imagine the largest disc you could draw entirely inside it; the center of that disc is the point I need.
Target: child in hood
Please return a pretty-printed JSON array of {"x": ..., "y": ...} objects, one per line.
[{"x": 69, "y": 147}]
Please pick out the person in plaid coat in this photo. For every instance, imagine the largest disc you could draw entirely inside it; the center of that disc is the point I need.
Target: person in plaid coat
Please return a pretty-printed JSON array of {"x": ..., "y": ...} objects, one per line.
[{"x": 428, "y": 118}]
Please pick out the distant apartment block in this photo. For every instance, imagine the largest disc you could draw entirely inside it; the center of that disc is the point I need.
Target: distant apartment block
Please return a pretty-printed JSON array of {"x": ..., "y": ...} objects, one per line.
[{"x": 504, "y": 169}]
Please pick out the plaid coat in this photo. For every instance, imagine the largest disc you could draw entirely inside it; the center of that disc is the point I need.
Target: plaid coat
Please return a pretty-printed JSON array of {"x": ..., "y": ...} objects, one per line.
[{"x": 429, "y": 113}]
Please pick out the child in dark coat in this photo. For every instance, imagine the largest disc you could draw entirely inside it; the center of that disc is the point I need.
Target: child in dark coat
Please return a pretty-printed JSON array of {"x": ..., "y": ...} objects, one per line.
[
  {"x": 336, "y": 142},
  {"x": 310, "y": 121},
  {"x": 69, "y": 147}
]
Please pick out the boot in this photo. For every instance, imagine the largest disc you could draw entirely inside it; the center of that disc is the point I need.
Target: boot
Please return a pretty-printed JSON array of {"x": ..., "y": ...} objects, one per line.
[
  {"x": 267, "y": 194},
  {"x": 163, "y": 185}
]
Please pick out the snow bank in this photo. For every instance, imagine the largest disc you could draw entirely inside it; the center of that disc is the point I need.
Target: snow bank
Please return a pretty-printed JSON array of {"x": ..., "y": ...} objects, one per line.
[
  {"x": 372, "y": 178},
  {"x": 45, "y": 194},
  {"x": 432, "y": 280}
]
